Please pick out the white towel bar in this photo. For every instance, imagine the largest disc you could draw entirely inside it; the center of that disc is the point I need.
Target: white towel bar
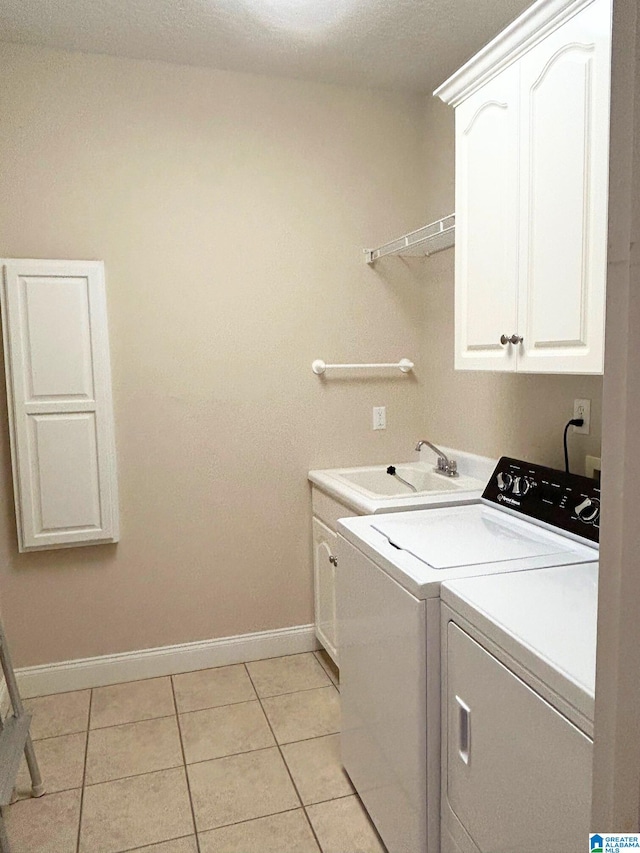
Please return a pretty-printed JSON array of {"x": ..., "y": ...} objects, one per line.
[{"x": 319, "y": 366}]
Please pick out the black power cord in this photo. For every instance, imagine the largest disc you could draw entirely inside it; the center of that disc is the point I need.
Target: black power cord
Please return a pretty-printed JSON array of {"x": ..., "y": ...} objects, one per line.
[{"x": 573, "y": 422}]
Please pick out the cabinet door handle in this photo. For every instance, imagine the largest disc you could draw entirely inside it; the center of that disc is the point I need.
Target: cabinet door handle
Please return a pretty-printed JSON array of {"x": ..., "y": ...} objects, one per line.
[
  {"x": 514, "y": 339},
  {"x": 464, "y": 731},
  {"x": 333, "y": 560}
]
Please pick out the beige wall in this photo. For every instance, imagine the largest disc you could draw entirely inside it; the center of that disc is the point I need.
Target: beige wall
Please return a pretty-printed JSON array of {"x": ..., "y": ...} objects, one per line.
[
  {"x": 231, "y": 212},
  {"x": 488, "y": 413}
]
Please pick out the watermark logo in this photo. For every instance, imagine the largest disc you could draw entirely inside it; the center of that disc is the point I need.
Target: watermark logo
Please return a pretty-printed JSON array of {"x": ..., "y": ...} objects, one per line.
[{"x": 613, "y": 843}]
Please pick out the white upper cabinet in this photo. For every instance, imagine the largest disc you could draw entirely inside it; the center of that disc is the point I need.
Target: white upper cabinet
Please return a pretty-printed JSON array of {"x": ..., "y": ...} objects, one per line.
[
  {"x": 56, "y": 350},
  {"x": 532, "y": 135}
]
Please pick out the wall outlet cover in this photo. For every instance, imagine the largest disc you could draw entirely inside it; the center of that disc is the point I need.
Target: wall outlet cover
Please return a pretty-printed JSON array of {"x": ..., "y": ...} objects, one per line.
[
  {"x": 582, "y": 409},
  {"x": 379, "y": 417}
]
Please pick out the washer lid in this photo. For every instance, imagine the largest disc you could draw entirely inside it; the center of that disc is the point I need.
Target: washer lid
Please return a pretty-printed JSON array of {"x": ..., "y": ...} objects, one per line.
[{"x": 470, "y": 536}]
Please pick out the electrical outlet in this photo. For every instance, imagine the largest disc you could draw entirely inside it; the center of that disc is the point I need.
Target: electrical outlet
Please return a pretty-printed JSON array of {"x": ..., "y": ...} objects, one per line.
[
  {"x": 582, "y": 409},
  {"x": 379, "y": 417}
]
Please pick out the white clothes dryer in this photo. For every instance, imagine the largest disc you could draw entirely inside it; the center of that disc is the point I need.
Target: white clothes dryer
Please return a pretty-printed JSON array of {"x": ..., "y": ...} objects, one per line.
[{"x": 518, "y": 688}]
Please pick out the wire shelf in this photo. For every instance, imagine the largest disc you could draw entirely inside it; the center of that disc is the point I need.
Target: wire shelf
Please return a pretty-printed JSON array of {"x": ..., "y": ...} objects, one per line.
[{"x": 423, "y": 242}]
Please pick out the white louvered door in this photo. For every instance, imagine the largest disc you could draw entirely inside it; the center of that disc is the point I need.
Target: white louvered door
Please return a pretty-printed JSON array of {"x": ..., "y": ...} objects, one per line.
[{"x": 59, "y": 397}]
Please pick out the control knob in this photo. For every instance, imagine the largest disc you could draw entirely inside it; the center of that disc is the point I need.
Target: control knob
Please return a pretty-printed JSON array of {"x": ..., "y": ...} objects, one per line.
[
  {"x": 521, "y": 486},
  {"x": 504, "y": 481},
  {"x": 588, "y": 510}
]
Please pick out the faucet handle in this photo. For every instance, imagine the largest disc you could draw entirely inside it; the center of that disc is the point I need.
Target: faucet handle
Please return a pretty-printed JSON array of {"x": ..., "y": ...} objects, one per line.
[{"x": 447, "y": 466}]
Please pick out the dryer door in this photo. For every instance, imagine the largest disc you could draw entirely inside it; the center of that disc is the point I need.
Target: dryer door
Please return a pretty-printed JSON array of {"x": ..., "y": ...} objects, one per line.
[{"x": 518, "y": 772}]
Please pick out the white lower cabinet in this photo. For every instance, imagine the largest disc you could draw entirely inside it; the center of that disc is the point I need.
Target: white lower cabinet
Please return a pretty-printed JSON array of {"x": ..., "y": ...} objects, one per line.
[
  {"x": 324, "y": 584},
  {"x": 516, "y": 772},
  {"x": 326, "y": 512}
]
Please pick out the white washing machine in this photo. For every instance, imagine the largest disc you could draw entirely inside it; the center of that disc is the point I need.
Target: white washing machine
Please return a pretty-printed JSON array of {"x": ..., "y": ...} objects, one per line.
[
  {"x": 390, "y": 569},
  {"x": 518, "y": 687}
]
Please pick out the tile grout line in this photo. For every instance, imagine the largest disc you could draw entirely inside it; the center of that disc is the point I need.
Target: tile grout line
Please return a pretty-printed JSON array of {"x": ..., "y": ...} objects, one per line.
[
  {"x": 134, "y": 775},
  {"x": 147, "y": 846},
  {"x": 207, "y": 761},
  {"x": 272, "y": 696},
  {"x": 84, "y": 772},
  {"x": 247, "y": 820},
  {"x": 133, "y": 722},
  {"x": 328, "y": 671},
  {"x": 284, "y": 761},
  {"x": 184, "y": 759},
  {"x": 318, "y": 663}
]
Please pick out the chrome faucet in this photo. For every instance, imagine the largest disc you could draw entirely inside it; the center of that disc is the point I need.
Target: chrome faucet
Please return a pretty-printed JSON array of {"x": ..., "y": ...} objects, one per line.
[{"x": 447, "y": 467}]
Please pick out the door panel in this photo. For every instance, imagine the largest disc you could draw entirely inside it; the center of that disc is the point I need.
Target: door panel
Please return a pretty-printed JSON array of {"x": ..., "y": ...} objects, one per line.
[
  {"x": 564, "y": 168},
  {"x": 518, "y": 772},
  {"x": 53, "y": 370},
  {"x": 63, "y": 457},
  {"x": 486, "y": 224},
  {"x": 325, "y": 587}
]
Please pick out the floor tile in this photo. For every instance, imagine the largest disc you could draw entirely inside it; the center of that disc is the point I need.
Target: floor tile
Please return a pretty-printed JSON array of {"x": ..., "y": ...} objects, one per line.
[
  {"x": 343, "y": 825},
  {"x": 209, "y": 688},
  {"x": 61, "y": 762},
  {"x": 317, "y": 770},
  {"x": 61, "y": 714},
  {"x": 179, "y": 845},
  {"x": 240, "y": 787},
  {"x": 48, "y": 824},
  {"x": 288, "y": 832},
  {"x": 131, "y": 702},
  {"x": 287, "y": 674},
  {"x": 134, "y": 812},
  {"x": 329, "y": 666},
  {"x": 310, "y": 713},
  {"x": 133, "y": 748},
  {"x": 224, "y": 731}
]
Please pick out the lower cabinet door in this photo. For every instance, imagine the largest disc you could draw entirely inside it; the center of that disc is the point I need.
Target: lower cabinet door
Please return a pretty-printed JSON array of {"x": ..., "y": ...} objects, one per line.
[
  {"x": 324, "y": 582},
  {"x": 518, "y": 772}
]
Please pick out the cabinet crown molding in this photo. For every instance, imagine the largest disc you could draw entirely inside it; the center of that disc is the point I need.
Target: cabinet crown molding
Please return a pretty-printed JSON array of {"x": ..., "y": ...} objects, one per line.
[{"x": 521, "y": 35}]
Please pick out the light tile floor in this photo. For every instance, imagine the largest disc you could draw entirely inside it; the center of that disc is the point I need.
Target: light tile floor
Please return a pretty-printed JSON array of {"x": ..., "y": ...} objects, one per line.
[{"x": 238, "y": 759}]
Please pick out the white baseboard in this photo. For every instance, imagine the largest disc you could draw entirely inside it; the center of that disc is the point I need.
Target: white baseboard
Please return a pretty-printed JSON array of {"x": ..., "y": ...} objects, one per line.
[{"x": 167, "y": 660}]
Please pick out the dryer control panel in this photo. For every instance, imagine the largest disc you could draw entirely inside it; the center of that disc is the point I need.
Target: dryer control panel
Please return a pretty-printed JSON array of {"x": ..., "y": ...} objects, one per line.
[{"x": 567, "y": 501}]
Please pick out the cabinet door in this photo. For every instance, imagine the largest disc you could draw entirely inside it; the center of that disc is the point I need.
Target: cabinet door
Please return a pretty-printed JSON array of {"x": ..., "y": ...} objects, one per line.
[
  {"x": 486, "y": 224},
  {"x": 565, "y": 84},
  {"x": 518, "y": 772},
  {"x": 59, "y": 392},
  {"x": 324, "y": 582}
]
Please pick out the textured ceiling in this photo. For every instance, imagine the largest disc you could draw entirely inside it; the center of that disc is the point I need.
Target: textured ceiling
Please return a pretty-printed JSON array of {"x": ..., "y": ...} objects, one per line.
[{"x": 396, "y": 44}]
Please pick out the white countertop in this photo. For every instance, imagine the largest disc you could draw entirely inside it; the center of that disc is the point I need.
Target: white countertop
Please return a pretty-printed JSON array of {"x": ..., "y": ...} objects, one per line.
[{"x": 545, "y": 619}]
